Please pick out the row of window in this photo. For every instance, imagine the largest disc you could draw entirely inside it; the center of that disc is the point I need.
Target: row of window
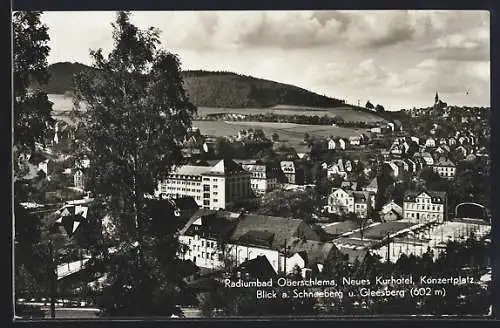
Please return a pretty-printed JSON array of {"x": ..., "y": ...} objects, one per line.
[
  {"x": 189, "y": 183},
  {"x": 424, "y": 216},
  {"x": 180, "y": 189},
  {"x": 208, "y": 243},
  {"x": 412, "y": 206},
  {"x": 207, "y": 256}
]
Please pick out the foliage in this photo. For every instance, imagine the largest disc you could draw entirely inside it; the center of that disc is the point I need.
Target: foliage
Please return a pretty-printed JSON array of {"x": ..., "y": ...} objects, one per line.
[
  {"x": 137, "y": 117},
  {"x": 295, "y": 204}
]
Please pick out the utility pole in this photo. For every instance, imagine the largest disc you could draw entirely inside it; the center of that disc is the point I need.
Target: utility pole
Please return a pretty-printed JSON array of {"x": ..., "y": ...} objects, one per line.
[
  {"x": 388, "y": 249},
  {"x": 53, "y": 280}
]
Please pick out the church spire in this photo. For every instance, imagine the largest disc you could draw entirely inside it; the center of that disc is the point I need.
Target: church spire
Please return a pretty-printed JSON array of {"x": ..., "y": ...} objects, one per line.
[{"x": 436, "y": 99}]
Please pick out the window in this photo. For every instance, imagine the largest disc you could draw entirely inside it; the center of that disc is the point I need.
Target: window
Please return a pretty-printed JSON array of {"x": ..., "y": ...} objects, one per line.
[
  {"x": 206, "y": 187},
  {"x": 215, "y": 200},
  {"x": 202, "y": 243},
  {"x": 215, "y": 193},
  {"x": 206, "y": 202}
]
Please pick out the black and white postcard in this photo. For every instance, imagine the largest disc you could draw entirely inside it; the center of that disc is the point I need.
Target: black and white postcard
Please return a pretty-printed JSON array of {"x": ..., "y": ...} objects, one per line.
[{"x": 242, "y": 164}]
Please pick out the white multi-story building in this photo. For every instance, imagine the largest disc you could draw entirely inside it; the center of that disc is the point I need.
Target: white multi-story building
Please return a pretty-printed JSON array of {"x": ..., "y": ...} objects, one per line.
[
  {"x": 341, "y": 202},
  {"x": 263, "y": 178},
  {"x": 211, "y": 237},
  {"x": 445, "y": 168},
  {"x": 425, "y": 206},
  {"x": 293, "y": 174},
  {"x": 213, "y": 187},
  {"x": 203, "y": 237}
]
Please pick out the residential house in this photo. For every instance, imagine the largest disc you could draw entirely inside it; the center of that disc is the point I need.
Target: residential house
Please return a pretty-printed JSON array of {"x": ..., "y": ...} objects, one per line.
[
  {"x": 445, "y": 168},
  {"x": 425, "y": 206},
  {"x": 256, "y": 268},
  {"x": 78, "y": 179},
  {"x": 272, "y": 237},
  {"x": 391, "y": 212},
  {"x": 43, "y": 162},
  {"x": 331, "y": 144},
  {"x": 342, "y": 202},
  {"x": 430, "y": 143},
  {"x": 443, "y": 141},
  {"x": 293, "y": 173},
  {"x": 341, "y": 143},
  {"x": 452, "y": 141},
  {"x": 362, "y": 203},
  {"x": 204, "y": 236},
  {"x": 355, "y": 140},
  {"x": 427, "y": 157},
  {"x": 212, "y": 186},
  {"x": 264, "y": 178}
]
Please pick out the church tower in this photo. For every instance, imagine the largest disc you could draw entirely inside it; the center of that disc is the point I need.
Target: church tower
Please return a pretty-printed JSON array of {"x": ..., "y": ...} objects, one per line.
[{"x": 436, "y": 99}]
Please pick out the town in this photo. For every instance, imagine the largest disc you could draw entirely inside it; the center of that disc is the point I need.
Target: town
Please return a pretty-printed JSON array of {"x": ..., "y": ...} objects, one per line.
[{"x": 295, "y": 197}]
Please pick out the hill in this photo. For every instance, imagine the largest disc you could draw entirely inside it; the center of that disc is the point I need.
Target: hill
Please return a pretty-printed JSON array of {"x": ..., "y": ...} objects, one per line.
[{"x": 215, "y": 89}]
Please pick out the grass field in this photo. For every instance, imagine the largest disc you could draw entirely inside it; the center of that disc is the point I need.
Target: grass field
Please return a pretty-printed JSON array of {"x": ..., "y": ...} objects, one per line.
[
  {"x": 292, "y": 134},
  {"x": 64, "y": 103}
]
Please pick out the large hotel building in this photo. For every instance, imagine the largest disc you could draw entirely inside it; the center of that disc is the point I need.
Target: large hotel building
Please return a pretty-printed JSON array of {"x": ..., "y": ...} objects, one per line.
[
  {"x": 213, "y": 187},
  {"x": 425, "y": 206}
]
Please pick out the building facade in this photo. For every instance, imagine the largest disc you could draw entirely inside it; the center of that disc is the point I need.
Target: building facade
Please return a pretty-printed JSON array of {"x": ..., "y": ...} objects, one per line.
[
  {"x": 342, "y": 202},
  {"x": 424, "y": 207},
  {"x": 213, "y": 187},
  {"x": 445, "y": 168}
]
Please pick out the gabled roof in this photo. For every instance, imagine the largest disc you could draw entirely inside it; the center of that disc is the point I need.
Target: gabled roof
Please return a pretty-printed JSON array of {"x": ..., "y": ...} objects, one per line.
[
  {"x": 411, "y": 195},
  {"x": 214, "y": 222},
  {"x": 315, "y": 251},
  {"x": 282, "y": 229},
  {"x": 257, "y": 238},
  {"x": 38, "y": 157},
  {"x": 443, "y": 161},
  {"x": 225, "y": 167},
  {"x": 258, "y": 267}
]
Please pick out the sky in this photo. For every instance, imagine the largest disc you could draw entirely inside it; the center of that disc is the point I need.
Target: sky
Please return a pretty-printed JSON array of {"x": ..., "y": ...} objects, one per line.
[{"x": 398, "y": 59}]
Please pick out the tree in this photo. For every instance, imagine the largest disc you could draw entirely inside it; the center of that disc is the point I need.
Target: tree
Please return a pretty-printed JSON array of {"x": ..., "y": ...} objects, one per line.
[
  {"x": 32, "y": 109},
  {"x": 32, "y": 123},
  {"x": 369, "y": 105},
  {"x": 295, "y": 204},
  {"x": 275, "y": 137},
  {"x": 137, "y": 117},
  {"x": 379, "y": 108}
]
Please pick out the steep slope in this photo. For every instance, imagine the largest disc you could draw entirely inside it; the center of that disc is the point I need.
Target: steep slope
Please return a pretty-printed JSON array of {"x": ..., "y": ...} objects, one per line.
[{"x": 215, "y": 89}]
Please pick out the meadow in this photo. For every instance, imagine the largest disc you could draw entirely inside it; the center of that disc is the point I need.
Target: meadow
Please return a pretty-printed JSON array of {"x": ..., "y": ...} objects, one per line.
[{"x": 288, "y": 132}]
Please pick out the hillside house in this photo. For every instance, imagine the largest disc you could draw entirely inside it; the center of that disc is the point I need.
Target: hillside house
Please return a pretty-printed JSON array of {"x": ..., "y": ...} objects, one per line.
[
  {"x": 331, "y": 144},
  {"x": 355, "y": 140},
  {"x": 445, "y": 168},
  {"x": 430, "y": 143},
  {"x": 341, "y": 143}
]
